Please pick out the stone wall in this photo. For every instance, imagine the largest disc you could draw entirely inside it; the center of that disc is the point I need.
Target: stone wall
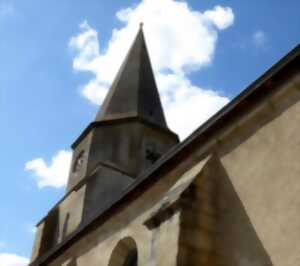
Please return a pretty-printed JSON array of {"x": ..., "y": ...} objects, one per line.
[
  {"x": 156, "y": 242},
  {"x": 240, "y": 207},
  {"x": 263, "y": 170}
]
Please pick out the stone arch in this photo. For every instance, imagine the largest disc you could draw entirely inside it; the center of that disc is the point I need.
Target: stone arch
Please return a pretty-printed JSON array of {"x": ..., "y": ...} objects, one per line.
[{"x": 125, "y": 253}]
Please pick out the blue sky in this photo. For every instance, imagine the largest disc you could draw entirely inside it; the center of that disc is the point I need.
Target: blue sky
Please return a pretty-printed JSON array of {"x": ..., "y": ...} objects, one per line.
[{"x": 52, "y": 73}]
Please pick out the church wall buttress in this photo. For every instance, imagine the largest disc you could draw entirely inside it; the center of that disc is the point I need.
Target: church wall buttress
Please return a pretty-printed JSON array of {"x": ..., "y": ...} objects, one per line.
[
  {"x": 157, "y": 244},
  {"x": 59, "y": 223},
  {"x": 71, "y": 212},
  {"x": 198, "y": 221}
]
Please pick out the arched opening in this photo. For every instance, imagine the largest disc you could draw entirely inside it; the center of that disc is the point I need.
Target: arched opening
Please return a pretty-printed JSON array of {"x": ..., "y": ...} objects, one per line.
[{"x": 125, "y": 253}]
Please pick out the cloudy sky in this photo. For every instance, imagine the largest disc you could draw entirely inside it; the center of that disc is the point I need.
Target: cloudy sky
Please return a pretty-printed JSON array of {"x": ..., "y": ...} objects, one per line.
[{"x": 59, "y": 57}]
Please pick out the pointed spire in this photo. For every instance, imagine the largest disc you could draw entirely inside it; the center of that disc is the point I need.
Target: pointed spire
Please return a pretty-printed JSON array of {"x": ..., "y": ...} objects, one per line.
[{"x": 134, "y": 92}]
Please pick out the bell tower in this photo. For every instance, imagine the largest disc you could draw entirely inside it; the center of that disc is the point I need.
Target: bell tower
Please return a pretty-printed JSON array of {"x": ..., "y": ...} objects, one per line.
[
  {"x": 128, "y": 134},
  {"x": 130, "y": 130}
]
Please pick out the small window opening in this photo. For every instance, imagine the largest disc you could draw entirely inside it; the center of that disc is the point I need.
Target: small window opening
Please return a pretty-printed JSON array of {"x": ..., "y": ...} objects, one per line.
[
  {"x": 152, "y": 155},
  {"x": 78, "y": 162},
  {"x": 125, "y": 253}
]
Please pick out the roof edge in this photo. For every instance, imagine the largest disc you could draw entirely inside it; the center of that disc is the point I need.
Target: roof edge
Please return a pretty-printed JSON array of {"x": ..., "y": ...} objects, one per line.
[{"x": 118, "y": 119}]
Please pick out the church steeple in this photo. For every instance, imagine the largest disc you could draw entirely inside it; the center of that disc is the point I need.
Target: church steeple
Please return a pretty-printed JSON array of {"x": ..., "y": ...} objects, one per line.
[
  {"x": 129, "y": 134},
  {"x": 130, "y": 131},
  {"x": 134, "y": 92}
]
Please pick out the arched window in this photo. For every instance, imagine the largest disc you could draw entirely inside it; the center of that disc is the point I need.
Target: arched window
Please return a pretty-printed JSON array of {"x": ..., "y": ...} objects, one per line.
[
  {"x": 125, "y": 253},
  {"x": 131, "y": 259}
]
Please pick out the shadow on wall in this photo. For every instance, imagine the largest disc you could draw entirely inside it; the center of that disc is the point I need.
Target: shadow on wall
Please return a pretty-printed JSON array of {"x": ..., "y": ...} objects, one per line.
[
  {"x": 215, "y": 228},
  {"x": 50, "y": 232},
  {"x": 237, "y": 240}
]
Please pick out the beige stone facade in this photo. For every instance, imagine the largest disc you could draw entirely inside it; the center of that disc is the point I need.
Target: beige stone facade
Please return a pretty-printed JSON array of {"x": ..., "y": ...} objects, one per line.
[{"x": 226, "y": 196}]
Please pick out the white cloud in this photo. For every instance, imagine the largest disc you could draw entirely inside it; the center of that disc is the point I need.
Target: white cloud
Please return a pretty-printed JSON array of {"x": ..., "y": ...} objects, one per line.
[
  {"x": 182, "y": 99},
  {"x": 222, "y": 17},
  {"x": 180, "y": 40},
  {"x": 259, "y": 38},
  {"x": 7, "y": 259},
  {"x": 53, "y": 175}
]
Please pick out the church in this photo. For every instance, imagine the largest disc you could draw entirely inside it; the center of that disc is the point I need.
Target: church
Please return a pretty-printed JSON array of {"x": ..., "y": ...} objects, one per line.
[{"x": 228, "y": 195}]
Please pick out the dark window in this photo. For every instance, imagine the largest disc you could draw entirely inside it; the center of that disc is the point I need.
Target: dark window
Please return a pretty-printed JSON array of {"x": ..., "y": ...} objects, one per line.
[
  {"x": 131, "y": 259},
  {"x": 50, "y": 232},
  {"x": 125, "y": 253}
]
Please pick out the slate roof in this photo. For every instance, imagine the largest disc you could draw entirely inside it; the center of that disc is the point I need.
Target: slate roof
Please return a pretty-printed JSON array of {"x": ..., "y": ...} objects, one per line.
[{"x": 134, "y": 92}]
